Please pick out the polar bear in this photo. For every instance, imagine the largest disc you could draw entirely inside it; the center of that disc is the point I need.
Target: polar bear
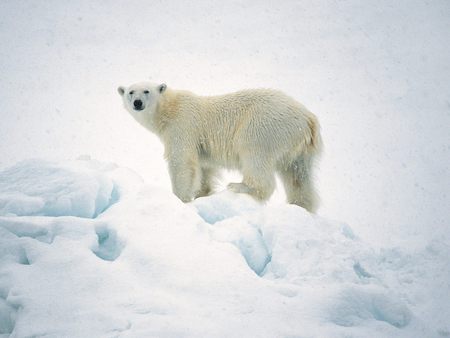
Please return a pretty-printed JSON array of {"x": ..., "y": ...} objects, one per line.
[{"x": 259, "y": 132}]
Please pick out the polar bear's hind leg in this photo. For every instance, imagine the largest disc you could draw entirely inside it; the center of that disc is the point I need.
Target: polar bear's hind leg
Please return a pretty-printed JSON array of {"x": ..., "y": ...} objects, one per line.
[
  {"x": 258, "y": 178},
  {"x": 298, "y": 183}
]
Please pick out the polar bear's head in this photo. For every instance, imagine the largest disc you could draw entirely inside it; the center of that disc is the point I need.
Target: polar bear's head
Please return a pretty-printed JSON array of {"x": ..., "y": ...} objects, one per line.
[{"x": 141, "y": 99}]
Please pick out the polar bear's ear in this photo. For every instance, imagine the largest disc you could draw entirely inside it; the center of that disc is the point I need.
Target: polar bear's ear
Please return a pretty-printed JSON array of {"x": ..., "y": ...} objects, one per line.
[
  {"x": 162, "y": 87},
  {"x": 121, "y": 90}
]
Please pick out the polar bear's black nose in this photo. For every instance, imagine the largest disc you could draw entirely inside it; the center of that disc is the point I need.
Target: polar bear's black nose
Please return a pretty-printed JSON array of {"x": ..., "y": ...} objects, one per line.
[{"x": 137, "y": 104}]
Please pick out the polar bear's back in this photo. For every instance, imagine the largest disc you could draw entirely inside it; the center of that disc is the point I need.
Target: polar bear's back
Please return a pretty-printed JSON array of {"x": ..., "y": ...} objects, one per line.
[
  {"x": 260, "y": 120},
  {"x": 259, "y": 108}
]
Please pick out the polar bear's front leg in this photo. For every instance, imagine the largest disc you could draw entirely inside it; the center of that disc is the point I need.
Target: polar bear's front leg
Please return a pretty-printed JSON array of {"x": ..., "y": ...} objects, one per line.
[{"x": 185, "y": 176}]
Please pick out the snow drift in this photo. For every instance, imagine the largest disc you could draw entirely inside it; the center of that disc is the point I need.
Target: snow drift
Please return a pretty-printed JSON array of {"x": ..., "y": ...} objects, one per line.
[
  {"x": 41, "y": 188},
  {"x": 86, "y": 249}
]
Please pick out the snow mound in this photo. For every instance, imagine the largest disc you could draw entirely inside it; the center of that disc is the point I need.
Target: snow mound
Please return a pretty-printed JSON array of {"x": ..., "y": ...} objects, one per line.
[
  {"x": 282, "y": 241},
  {"x": 37, "y": 187},
  {"x": 224, "y": 265}
]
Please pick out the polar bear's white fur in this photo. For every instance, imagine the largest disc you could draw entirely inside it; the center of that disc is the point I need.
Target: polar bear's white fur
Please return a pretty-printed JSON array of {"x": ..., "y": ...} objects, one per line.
[{"x": 258, "y": 131}]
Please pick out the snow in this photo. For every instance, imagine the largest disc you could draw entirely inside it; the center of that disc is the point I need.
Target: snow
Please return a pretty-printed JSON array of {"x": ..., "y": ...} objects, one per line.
[
  {"x": 224, "y": 265},
  {"x": 93, "y": 242},
  {"x": 40, "y": 188}
]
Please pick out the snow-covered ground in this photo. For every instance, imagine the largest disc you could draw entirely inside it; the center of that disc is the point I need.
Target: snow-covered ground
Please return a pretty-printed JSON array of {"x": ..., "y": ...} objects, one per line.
[
  {"x": 89, "y": 248},
  {"x": 131, "y": 260}
]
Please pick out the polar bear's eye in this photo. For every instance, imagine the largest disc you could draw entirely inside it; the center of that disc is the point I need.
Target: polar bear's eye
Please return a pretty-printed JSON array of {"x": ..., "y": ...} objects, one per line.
[
  {"x": 132, "y": 92},
  {"x": 146, "y": 92}
]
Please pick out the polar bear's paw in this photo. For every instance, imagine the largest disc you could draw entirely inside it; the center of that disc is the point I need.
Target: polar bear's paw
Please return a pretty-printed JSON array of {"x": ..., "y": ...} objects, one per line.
[{"x": 240, "y": 188}]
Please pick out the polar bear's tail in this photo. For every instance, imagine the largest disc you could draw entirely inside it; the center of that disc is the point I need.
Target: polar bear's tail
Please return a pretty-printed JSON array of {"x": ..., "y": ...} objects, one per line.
[{"x": 315, "y": 144}]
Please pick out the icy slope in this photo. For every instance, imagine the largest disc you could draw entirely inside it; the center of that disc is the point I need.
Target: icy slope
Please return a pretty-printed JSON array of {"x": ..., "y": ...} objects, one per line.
[{"x": 133, "y": 261}]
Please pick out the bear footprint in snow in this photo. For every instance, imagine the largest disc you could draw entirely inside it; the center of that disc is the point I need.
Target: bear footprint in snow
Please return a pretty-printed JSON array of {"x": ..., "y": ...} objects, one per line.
[{"x": 108, "y": 246}]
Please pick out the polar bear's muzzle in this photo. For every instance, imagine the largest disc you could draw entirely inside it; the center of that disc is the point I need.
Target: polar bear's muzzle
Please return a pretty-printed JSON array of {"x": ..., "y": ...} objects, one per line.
[{"x": 138, "y": 105}]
